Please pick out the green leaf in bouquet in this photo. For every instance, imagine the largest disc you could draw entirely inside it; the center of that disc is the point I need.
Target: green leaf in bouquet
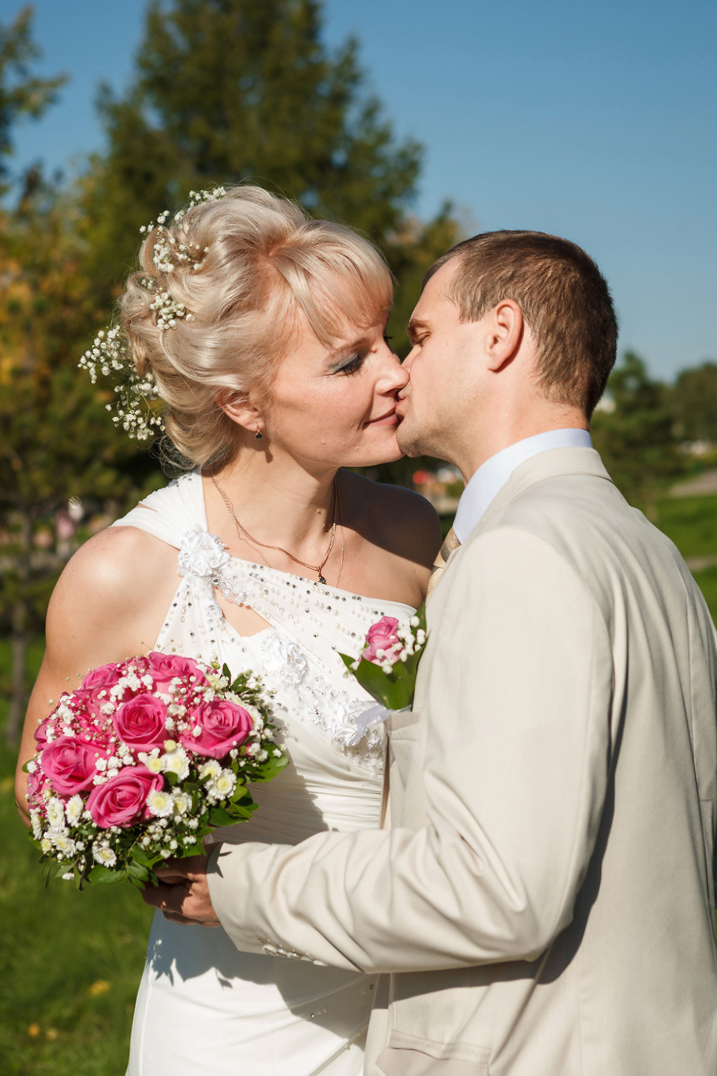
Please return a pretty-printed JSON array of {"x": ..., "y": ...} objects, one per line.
[
  {"x": 270, "y": 768},
  {"x": 141, "y": 855},
  {"x": 137, "y": 873},
  {"x": 171, "y": 778},
  {"x": 103, "y": 875},
  {"x": 394, "y": 690}
]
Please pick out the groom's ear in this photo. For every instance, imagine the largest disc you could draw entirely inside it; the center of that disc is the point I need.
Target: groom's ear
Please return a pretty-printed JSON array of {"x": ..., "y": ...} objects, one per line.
[{"x": 505, "y": 329}]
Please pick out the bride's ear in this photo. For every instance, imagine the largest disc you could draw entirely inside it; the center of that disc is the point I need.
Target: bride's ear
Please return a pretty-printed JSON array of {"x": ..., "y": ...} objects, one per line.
[{"x": 239, "y": 407}]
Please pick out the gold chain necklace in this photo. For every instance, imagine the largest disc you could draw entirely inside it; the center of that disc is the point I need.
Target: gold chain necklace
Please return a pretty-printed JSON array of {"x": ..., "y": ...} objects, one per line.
[{"x": 244, "y": 534}]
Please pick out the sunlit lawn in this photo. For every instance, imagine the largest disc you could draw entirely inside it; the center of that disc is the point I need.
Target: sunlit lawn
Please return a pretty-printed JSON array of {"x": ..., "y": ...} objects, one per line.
[{"x": 70, "y": 962}]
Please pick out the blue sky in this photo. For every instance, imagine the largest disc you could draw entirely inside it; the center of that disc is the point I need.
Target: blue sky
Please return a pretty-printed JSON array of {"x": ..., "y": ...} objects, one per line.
[{"x": 594, "y": 121}]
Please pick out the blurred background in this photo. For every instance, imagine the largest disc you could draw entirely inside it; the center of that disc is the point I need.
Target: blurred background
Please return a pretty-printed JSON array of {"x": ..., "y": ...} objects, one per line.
[{"x": 418, "y": 123}]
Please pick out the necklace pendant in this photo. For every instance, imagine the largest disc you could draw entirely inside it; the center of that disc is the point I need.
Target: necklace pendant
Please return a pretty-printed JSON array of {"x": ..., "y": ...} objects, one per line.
[{"x": 321, "y": 578}]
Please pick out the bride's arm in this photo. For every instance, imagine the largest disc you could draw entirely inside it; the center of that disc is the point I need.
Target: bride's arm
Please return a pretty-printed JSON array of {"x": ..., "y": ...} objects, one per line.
[{"x": 109, "y": 604}]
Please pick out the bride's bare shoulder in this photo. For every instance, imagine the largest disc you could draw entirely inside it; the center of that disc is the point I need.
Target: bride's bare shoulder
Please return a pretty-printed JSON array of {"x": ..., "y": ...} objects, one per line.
[{"x": 119, "y": 563}]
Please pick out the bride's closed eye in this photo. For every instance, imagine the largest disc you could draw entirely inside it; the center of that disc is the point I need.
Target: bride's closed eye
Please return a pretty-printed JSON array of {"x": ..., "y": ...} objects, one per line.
[{"x": 353, "y": 365}]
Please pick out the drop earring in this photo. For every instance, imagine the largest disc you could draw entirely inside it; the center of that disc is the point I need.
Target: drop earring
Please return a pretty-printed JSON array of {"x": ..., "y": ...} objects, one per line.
[{"x": 258, "y": 435}]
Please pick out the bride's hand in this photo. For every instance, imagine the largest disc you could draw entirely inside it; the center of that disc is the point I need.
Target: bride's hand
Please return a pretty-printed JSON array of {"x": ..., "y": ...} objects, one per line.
[{"x": 183, "y": 892}]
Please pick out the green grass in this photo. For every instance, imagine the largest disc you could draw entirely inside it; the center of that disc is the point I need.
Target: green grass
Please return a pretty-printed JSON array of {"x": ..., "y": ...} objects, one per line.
[
  {"x": 691, "y": 523},
  {"x": 70, "y": 962}
]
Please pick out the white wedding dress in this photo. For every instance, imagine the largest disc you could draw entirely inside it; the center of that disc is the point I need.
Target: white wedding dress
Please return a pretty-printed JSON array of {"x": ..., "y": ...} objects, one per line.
[{"x": 204, "y": 1008}]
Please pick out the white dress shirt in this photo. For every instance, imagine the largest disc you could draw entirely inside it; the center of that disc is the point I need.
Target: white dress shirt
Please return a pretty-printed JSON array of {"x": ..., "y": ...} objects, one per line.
[{"x": 492, "y": 475}]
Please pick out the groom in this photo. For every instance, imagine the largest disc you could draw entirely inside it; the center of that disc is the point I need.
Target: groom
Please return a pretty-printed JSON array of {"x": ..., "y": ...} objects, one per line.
[{"x": 543, "y": 903}]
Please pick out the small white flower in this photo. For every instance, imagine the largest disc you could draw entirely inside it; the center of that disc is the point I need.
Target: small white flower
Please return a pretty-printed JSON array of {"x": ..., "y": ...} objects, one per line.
[
  {"x": 222, "y": 786},
  {"x": 73, "y": 809},
  {"x": 210, "y": 770},
  {"x": 68, "y": 877},
  {"x": 36, "y": 822},
  {"x": 46, "y": 845},
  {"x": 103, "y": 854},
  {"x": 170, "y": 745},
  {"x": 56, "y": 813},
  {"x": 182, "y": 802},
  {"x": 176, "y": 761},
  {"x": 64, "y": 844},
  {"x": 160, "y": 803}
]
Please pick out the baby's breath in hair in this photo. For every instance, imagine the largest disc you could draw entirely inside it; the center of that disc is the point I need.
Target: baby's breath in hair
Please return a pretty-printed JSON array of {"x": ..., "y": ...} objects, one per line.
[
  {"x": 137, "y": 398},
  {"x": 137, "y": 408}
]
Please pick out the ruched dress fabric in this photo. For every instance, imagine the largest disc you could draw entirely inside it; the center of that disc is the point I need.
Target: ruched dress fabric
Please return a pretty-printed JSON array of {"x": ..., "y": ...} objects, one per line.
[{"x": 204, "y": 1008}]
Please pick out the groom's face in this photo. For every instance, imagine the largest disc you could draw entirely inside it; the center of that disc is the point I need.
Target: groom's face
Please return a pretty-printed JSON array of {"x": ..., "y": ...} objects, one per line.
[{"x": 442, "y": 370}]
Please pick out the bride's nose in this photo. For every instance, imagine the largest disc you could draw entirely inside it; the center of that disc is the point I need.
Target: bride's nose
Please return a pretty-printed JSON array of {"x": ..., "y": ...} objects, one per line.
[{"x": 393, "y": 377}]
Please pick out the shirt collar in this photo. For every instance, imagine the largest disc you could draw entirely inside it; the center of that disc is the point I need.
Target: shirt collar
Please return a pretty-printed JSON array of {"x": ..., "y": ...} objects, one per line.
[{"x": 492, "y": 475}]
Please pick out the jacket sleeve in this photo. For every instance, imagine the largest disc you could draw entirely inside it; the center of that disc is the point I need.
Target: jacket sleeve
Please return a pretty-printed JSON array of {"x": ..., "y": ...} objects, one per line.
[{"x": 515, "y": 726}]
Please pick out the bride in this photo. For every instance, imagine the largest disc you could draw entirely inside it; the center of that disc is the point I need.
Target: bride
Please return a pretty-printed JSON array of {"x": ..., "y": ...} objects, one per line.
[{"x": 264, "y": 334}]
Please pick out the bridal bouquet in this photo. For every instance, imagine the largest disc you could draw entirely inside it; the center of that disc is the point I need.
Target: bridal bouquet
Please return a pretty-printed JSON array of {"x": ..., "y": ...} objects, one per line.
[
  {"x": 142, "y": 761},
  {"x": 388, "y": 663}
]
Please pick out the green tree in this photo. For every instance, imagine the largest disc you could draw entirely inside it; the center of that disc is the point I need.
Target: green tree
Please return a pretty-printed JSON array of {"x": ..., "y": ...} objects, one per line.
[
  {"x": 694, "y": 403},
  {"x": 245, "y": 90},
  {"x": 634, "y": 434},
  {"x": 21, "y": 93},
  {"x": 55, "y": 438}
]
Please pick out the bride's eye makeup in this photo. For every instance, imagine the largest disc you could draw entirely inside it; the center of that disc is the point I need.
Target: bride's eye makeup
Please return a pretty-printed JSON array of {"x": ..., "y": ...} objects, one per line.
[{"x": 352, "y": 365}]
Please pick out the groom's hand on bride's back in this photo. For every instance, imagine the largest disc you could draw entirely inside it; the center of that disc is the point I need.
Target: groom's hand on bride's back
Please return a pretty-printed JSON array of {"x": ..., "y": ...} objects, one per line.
[{"x": 183, "y": 894}]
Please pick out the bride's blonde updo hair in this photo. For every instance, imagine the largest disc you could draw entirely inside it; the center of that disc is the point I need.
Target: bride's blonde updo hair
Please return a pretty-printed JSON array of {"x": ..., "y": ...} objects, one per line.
[{"x": 256, "y": 263}]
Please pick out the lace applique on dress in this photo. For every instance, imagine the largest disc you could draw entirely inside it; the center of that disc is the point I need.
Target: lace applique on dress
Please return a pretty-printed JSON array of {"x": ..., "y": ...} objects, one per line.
[{"x": 203, "y": 556}]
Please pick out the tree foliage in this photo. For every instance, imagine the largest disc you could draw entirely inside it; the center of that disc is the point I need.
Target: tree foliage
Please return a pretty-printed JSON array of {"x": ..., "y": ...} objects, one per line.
[
  {"x": 694, "y": 403},
  {"x": 635, "y": 436},
  {"x": 229, "y": 91},
  {"x": 22, "y": 94}
]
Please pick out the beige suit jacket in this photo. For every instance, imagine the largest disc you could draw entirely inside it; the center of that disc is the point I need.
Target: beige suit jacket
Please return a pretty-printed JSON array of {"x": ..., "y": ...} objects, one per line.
[{"x": 543, "y": 904}]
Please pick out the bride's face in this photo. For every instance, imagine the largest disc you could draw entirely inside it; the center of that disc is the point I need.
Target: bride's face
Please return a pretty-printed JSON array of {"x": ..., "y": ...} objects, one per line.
[{"x": 337, "y": 407}]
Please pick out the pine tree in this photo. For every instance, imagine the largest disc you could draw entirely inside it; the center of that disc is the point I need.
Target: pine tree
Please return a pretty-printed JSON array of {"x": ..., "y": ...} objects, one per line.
[{"x": 244, "y": 90}]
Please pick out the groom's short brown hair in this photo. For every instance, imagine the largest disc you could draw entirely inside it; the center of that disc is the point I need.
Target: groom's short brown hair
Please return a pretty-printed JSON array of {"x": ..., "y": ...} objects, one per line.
[{"x": 565, "y": 301}]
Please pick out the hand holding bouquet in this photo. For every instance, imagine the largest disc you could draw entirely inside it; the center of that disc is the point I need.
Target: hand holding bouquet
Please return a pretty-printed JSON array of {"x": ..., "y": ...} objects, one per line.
[{"x": 142, "y": 761}]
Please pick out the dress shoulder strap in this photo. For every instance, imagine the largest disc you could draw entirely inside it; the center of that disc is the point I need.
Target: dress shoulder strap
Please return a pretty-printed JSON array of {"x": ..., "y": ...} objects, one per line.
[{"x": 169, "y": 513}]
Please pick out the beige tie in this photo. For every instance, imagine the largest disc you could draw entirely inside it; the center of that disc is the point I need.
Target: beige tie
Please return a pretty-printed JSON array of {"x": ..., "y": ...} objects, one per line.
[{"x": 452, "y": 542}]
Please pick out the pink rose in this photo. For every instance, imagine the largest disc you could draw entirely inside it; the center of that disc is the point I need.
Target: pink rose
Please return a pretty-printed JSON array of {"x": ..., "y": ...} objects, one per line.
[
  {"x": 41, "y": 732},
  {"x": 104, "y": 676},
  {"x": 164, "y": 667},
  {"x": 35, "y": 784},
  {"x": 222, "y": 725},
  {"x": 69, "y": 764},
  {"x": 381, "y": 636},
  {"x": 140, "y": 723},
  {"x": 122, "y": 800}
]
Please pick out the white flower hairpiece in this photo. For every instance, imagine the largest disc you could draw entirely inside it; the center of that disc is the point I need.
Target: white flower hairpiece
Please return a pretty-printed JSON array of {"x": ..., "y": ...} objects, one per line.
[
  {"x": 136, "y": 406},
  {"x": 168, "y": 253},
  {"x": 110, "y": 355}
]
